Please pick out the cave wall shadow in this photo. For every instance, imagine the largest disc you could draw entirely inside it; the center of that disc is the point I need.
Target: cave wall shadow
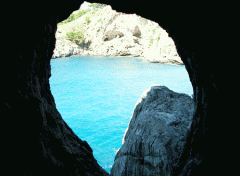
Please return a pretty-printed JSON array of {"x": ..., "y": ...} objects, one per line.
[{"x": 36, "y": 140}]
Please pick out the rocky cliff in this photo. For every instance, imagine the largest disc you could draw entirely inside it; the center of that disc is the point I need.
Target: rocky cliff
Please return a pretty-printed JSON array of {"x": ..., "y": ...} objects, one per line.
[
  {"x": 106, "y": 32},
  {"x": 156, "y": 133}
]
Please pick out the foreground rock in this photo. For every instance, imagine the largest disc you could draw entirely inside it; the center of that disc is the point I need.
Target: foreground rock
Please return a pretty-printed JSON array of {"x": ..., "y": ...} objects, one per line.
[
  {"x": 156, "y": 133},
  {"x": 112, "y": 33}
]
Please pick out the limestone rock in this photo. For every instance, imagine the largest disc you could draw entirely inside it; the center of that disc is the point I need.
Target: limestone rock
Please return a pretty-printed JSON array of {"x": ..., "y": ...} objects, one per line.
[
  {"x": 66, "y": 50},
  {"x": 140, "y": 37},
  {"x": 163, "y": 55},
  {"x": 156, "y": 133},
  {"x": 85, "y": 6}
]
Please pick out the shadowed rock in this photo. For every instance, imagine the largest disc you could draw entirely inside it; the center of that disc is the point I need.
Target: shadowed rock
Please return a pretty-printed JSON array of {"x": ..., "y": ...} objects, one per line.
[
  {"x": 35, "y": 140},
  {"x": 156, "y": 133},
  {"x": 112, "y": 34},
  {"x": 137, "y": 32}
]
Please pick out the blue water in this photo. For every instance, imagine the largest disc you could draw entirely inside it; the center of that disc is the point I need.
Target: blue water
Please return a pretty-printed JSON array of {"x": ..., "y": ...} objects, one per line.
[{"x": 96, "y": 96}]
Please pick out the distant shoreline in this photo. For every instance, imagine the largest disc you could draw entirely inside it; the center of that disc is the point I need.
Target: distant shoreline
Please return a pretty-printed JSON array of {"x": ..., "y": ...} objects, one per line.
[{"x": 140, "y": 57}]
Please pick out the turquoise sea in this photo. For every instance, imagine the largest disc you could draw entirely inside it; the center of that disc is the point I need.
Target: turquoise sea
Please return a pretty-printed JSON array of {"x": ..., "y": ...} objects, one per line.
[{"x": 96, "y": 96}]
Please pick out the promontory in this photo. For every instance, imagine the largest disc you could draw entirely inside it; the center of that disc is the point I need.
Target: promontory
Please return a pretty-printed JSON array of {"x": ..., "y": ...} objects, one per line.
[{"x": 98, "y": 30}]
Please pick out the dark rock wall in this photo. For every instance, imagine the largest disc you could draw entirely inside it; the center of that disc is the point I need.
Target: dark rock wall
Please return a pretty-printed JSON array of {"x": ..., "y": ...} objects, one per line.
[{"x": 34, "y": 138}]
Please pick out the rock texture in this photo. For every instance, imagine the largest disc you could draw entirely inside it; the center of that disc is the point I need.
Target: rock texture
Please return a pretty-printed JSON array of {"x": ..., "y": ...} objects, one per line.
[
  {"x": 156, "y": 133},
  {"x": 112, "y": 33},
  {"x": 35, "y": 140}
]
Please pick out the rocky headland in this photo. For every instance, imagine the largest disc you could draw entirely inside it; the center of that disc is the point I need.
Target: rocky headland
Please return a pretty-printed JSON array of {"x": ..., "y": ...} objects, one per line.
[
  {"x": 102, "y": 31},
  {"x": 156, "y": 133}
]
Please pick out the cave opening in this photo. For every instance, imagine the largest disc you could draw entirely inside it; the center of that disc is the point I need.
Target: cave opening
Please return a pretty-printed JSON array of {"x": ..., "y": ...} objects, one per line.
[
  {"x": 89, "y": 71},
  {"x": 37, "y": 141}
]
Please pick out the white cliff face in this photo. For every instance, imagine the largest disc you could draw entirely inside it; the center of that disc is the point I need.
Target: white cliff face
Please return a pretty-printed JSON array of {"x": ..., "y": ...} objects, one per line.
[{"x": 111, "y": 33}]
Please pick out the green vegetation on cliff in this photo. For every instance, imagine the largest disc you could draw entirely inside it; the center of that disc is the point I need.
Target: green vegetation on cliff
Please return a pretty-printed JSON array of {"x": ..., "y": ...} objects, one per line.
[
  {"x": 158, "y": 37},
  {"x": 87, "y": 20},
  {"x": 74, "y": 16},
  {"x": 76, "y": 37},
  {"x": 97, "y": 5},
  {"x": 151, "y": 41}
]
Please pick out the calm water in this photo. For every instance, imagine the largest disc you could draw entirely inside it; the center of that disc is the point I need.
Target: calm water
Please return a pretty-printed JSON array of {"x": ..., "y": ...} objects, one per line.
[{"x": 96, "y": 96}]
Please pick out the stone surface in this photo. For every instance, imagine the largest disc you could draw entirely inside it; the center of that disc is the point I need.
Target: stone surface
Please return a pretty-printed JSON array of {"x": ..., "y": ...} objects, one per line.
[
  {"x": 67, "y": 49},
  {"x": 35, "y": 140},
  {"x": 156, "y": 133}
]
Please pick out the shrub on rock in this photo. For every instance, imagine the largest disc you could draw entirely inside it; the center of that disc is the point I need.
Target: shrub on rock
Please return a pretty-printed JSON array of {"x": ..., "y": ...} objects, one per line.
[{"x": 75, "y": 37}]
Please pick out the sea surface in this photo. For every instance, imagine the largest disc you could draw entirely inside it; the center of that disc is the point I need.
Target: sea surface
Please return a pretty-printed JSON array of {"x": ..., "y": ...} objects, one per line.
[{"x": 96, "y": 96}]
